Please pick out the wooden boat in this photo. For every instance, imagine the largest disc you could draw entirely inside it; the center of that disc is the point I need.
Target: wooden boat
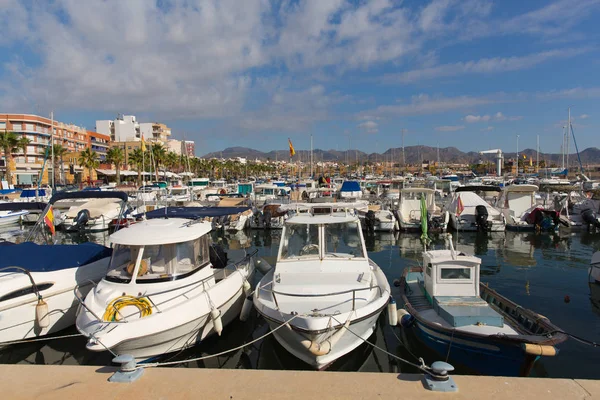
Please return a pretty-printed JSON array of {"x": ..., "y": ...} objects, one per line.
[{"x": 470, "y": 324}]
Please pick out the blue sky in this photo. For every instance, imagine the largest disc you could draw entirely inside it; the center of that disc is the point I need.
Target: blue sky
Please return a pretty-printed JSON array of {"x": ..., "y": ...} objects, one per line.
[{"x": 467, "y": 73}]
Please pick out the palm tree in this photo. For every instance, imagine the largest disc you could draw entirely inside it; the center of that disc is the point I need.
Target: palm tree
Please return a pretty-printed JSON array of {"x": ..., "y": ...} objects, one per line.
[
  {"x": 59, "y": 152},
  {"x": 136, "y": 160},
  {"x": 88, "y": 159},
  {"x": 172, "y": 160},
  {"x": 22, "y": 144},
  {"x": 9, "y": 142},
  {"x": 115, "y": 155},
  {"x": 159, "y": 154}
]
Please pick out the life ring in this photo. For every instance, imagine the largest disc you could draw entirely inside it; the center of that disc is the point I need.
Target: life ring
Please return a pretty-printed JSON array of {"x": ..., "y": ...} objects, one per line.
[
  {"x": 222, "y": 191},
  {"x": 143, "y": 268}
]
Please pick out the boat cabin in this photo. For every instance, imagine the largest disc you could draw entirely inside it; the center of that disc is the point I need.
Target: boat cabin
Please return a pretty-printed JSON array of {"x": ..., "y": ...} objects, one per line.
[
  {"x": 142, "y": 256},
  {"x": 451, "y": 282},
  {"x": 199, "y": 182}
]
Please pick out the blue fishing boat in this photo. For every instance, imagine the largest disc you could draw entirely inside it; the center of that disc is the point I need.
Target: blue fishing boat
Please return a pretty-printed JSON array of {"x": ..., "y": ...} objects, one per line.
[{"x": 468, "y": 323}]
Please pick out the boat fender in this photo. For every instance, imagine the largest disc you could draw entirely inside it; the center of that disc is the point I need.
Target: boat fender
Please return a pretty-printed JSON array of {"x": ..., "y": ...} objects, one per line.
[
  {"x": 247, "y": 288},
  {"x": 539, "y": 350},
  {"x": 246, "y": 308},
  {"x": 215, "y": 315},
  {"x": 323, "y": 348},
  {"x": 392, "y": 312},
  {"x": 262, "y": 266},
  {"x": 405, "y": 318},
  {"x": 41, "y": 314}
]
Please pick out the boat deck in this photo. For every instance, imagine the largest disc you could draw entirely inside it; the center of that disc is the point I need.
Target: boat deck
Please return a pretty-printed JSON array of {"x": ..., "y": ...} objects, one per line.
[{"x": 417, "y": 299}]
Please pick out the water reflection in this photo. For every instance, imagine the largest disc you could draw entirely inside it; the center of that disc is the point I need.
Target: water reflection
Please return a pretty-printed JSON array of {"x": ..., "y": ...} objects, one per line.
[{"x": 536, "y": 270}]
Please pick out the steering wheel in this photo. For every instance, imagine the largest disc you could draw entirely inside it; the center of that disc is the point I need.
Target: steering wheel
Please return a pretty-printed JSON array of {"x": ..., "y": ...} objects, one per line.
[{"x": 309, "y": 248}]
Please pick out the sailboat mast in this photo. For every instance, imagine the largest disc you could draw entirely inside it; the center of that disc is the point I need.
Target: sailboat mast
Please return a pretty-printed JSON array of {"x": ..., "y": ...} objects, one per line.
[
  {"x": 52, "y": 147},
  {"x": 567, "y": 140},
  {"x": 311, "y": 156},
  {"x": 537, "y": 161}
]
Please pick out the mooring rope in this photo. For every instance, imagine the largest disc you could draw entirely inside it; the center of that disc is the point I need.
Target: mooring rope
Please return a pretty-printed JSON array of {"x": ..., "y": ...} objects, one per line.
[{"x": 41, "y": 339}]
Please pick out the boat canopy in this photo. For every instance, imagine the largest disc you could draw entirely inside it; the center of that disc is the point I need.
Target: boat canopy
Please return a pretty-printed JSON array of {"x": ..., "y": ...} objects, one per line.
[
  {"x": 350, "y": 186},
  {"x": 43, "y": 258},
  {"x": 521, "y": 188},
  {"x": 89, "y": 195},
  {"x": 172, "y": 230},
  {"x": 29, "y": 193},
  {"x": 194, "y": 212},
  {"x": 30, "y": 206}
]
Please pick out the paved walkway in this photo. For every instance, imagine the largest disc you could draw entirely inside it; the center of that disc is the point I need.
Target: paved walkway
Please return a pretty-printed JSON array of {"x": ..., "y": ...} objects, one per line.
[{"x": 87, "y": 383}]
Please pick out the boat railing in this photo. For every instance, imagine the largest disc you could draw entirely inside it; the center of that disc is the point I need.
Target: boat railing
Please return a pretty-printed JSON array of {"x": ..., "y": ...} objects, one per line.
[
  {"x": 313, "y": 295},
  {"x": 190, "y": 288}
]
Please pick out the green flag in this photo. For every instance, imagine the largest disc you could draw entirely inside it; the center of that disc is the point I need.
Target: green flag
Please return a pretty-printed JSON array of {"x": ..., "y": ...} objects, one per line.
[{"x": 423, "y": 218}]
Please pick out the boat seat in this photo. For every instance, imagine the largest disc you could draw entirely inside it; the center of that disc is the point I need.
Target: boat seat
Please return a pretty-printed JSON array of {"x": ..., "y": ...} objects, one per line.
[
  {"x": 46, "y": 258},
  {"x": 467, "y": 310}
]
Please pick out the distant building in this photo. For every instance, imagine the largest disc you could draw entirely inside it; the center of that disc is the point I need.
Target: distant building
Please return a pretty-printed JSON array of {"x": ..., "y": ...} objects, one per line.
[
  {"x": 99, "y": 143},
  {"x": 188, "y": 148},
  {"x": 128, "y": 148},
  {"x": 27, "y": 166},
  {"x": 175, "y": 146},
  {"x": 122, "y": 129},
  {"x": 155, "y": 132}
]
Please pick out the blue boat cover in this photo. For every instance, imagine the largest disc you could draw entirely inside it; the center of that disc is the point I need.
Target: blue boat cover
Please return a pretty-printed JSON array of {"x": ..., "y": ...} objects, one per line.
[
  {"x": 194, "y": 212},
  {"x": 350, "y": 186},
  {"x": 33, "y": 205},
  {"x": 89, "y": 194},
  {"x": 28, "y": 193},
  {"x": 46, "y": 258}
]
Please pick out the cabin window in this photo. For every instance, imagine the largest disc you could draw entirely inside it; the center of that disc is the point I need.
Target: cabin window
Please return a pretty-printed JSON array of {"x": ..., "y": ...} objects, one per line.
[
  {"x": 300, "y": 240},
  {"x": 343, "y": 240},
  {"x": 455, "y": 273},
  {"x": 428, "y": 269}
]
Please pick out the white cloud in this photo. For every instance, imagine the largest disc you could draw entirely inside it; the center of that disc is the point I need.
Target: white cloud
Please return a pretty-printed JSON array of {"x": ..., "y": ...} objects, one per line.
[
  {"x": 584, "y": 116},
  {"x": 449, "y": 128},
  {"x": 482, "y": 66},
  {"x": 487, "y": 129},
  {"x": 476, "y": 118},
  {"x": 369, "y": 126},
  {"x": 498, "y": 117}
]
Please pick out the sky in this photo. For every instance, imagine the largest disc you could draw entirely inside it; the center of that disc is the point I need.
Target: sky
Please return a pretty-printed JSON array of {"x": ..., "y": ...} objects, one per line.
[{"x": 474, "y": 74}]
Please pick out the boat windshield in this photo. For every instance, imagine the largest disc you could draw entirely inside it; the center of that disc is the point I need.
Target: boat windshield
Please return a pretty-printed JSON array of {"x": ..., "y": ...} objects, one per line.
[
  {"x": 158, "y": 262},
  {"x": 343, "y": 240},
  {"x": 300, "y": 240}
]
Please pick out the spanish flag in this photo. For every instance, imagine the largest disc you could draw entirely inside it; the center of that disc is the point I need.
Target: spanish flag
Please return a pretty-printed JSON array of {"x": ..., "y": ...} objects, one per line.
[
  {"x": 49, "y": 220},
  {"x": 143, "y": 146},
  {"x": 292, "y": 151}
]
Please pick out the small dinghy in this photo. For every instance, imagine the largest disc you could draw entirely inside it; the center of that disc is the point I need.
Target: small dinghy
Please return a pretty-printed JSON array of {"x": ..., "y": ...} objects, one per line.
[
  {"x": 324, "y": 288},
  {"x": 467, "y": 322},
  {"x": 12, "y": 217},
  {"x": 164, "y": 291}
]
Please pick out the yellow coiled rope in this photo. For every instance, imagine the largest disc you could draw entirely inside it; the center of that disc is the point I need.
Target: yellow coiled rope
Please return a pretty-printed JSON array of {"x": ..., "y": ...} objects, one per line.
[{"x": 112, "y": 310}]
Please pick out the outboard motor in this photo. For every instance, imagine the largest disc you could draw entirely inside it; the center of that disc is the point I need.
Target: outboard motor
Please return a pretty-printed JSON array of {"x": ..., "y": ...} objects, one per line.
[
  {"x": 370, "y": 220},
  {"x": 481, "y": 218},
  {"x": 267, "y": 218},
  {"x": 590, "y": 218},
  {"x": 80, "y": 220},
  {"x": 434, "y": 223},
  {"x": 217, "y": 256}
]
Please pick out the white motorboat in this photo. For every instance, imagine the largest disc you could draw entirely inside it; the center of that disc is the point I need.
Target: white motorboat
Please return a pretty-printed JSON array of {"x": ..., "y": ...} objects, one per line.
[
  {"x": 324, "y": 288},
  {"x": 518, "y": 204},
  {"x": 410, "y": 210},
  {"x": 94, "y": 215},
  {"x": 376, "y": 218},
  {"x": 11, "y": 217},
  {"x": 179, "y": 194},
  {"x": 582, "y": 213},
  {"x": 163, "y": 291},
  {"x": 37, "y": 282},
  {"x": 470, "y": 213}
]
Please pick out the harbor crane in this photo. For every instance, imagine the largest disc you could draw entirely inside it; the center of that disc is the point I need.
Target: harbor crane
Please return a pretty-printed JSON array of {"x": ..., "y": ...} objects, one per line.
[{"x": 499, "y": 158}]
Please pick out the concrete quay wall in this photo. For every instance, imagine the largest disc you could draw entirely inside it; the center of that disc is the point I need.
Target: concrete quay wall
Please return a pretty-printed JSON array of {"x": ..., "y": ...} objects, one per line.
[{"x": 87, "y": 383}]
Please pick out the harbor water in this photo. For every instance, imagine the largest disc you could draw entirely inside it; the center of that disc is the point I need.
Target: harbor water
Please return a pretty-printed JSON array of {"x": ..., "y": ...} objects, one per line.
[{"x": 547, "y": 273}]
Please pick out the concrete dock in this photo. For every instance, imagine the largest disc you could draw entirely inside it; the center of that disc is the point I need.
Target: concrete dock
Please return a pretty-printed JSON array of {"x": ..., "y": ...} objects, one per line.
[{"x": 87, "y": 383}]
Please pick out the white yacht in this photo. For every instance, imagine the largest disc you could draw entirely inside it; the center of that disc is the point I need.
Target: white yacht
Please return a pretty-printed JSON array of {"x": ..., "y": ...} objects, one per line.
[
  {"x": 94, "y": 215},
  {"x": 162, "y": 293},
  {"x": 37, "y": 281},
  {"x": 470, "y": 213},
  {"x": 409, "y": 210},
  {"x": 324, "y": 288},
  {"x": 519, "y": 205}
]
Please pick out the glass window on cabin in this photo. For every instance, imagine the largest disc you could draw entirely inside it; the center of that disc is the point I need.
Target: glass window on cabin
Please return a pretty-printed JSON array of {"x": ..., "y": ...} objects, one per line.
[
  {"x": 428, "y": 270},
  {"x": 343, "y": 240},
  {"x": 455, "y": 273},
  {"x": 121, "y": 257},
  {"x": 300, "y": 240}
]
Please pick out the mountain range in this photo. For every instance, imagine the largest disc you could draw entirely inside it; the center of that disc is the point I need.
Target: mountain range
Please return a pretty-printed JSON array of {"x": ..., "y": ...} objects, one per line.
[{"x": 413, "y": 155}]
